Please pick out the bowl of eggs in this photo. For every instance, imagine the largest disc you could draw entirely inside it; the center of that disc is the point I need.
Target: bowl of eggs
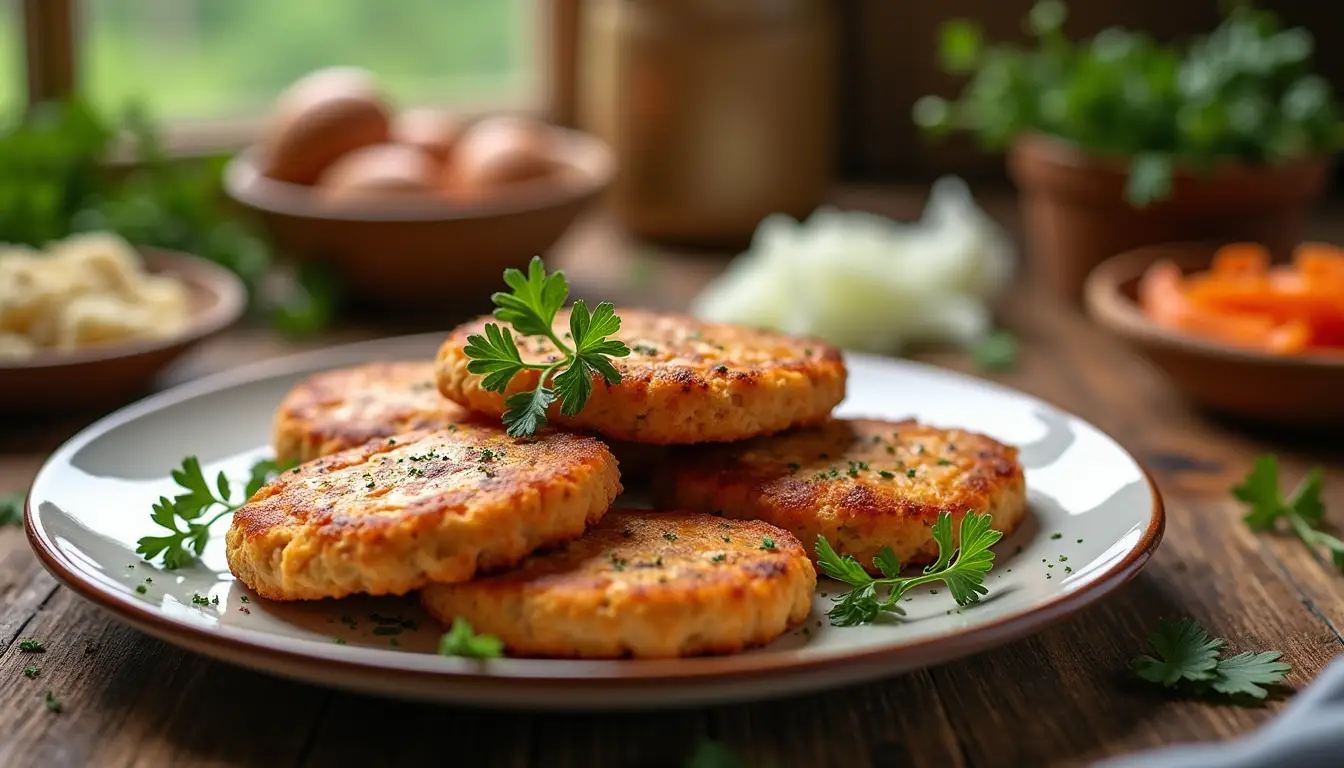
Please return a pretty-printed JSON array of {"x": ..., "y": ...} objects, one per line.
[{"x": 416, "y": 206}]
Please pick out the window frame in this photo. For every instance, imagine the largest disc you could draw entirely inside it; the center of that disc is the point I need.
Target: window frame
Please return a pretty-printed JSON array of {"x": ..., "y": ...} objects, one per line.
[{"x": 50, "y": 51}]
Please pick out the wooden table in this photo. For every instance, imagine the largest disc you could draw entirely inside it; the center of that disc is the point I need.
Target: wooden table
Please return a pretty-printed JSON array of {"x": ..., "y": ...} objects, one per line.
[{"x": 1061, "y": 697}]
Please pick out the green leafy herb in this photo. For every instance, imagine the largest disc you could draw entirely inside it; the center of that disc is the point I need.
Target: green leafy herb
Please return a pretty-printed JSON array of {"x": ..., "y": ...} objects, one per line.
[
  {"x": 32, "y": 646},
  {"x": 31, "y": 672},
  {"x": 1303, "y": 511},
  {"x": 56, "y": 184},
  {"x": 962, "y": 568},
  {"x": 712, "y": 754},
  {"x": 670, "y": 536},
  {"x": 1183, "y": 655},
  {"x": 1181, "y": 651},
  {"x": 1245, "y": 93},
  {"x": 530, "y": 309},
  {"x": 767, "y": 543},
  {"x": 460, "y": 640},
  {"x": 995, "y": 352},
  {"x": 11, "y": 509},
  {"x": 185, "y": 542},
  {"x": 52, "y": 703}
]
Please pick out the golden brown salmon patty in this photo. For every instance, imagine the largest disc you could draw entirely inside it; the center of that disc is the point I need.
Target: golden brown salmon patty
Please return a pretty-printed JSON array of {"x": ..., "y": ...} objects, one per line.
[
  {"x": 685, "y": 381},
  {"x": 642, "y": 584},
  {"x": 340, "y": 409},
  {"x": 390, "y": 516},
  {"x": 861, "y": 483}
]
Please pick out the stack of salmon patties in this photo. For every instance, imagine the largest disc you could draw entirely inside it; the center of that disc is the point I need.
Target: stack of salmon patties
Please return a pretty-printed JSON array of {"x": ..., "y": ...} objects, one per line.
[{"x": 409, "y": 482}]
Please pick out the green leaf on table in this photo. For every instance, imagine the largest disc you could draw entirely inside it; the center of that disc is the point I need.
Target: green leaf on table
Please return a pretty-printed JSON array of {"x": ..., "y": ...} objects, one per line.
[
  {"x": 1247, "y": 673},
  {"x": 1180, "y": 651}
]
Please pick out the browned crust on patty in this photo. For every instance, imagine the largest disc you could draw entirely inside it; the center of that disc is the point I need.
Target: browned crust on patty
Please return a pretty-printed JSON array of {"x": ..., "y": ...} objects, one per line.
[
  {"x": 862, "y": 483},
  {"x": 643, "y": 584},
  {"x": 685, "y": 381},
  {"x": 390, "y": 516},
  {"x": 335, "y": 410}
]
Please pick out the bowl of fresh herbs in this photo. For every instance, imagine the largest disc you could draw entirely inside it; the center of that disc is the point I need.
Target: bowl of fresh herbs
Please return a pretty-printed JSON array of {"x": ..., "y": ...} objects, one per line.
[{"x": 1120, "y": 141}]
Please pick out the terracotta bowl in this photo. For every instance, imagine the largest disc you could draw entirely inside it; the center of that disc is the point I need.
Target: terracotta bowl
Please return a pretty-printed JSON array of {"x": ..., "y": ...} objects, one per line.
[
  {"x": 1298, "y": 391},
  {"x": 424, "y": 250},
  {"x": 104, "y": 376}
]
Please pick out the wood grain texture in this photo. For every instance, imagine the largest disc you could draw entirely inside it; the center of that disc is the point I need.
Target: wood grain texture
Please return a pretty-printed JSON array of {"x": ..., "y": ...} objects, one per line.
[{"x": 1061, "y": 697}]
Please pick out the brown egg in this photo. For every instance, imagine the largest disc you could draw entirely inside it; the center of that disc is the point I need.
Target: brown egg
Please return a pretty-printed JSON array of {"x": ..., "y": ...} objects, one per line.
[
  {"x": 318, "y": 119},
  {"x": 379, "y": 170},
  {"x": 497, "y": 151},
  {"x": 434, "y": 131}
]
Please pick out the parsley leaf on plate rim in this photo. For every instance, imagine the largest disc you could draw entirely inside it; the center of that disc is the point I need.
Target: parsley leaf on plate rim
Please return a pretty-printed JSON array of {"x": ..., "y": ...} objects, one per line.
[
  {"x": 961, "y": 567},
  {"x": 462, "y": 640},
  {"x": 530, "y": 308},
  {"x": 186, "y": 542}
]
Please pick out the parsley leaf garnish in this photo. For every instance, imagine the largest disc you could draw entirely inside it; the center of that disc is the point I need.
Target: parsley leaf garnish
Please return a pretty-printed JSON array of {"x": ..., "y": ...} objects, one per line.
[
  {"x": 962, "y": 569},
  {"x": 712, "y": 754},
  {"x": 1303, "y": 510},
  {"x": 530, "y": 309},
  {"x": 185, "y": 542},
  {"x": 1183, "y": 654},
  {"x": 461, "y": 640},
  {"x": 1247, "y": 673},
  {"x": 1181, "y": 650}
]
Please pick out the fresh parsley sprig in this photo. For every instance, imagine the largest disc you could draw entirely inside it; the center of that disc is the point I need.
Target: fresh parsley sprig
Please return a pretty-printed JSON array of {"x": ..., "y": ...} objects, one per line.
[
  {"x": 1303, "y": 510},
  {"x": 1183, "y": 655},
  {"x": 530, "y": 309},
  {"x": 462, "y": 640},
  {"x": 185, "y": 543},
  {"x": 962, "y": 568}
]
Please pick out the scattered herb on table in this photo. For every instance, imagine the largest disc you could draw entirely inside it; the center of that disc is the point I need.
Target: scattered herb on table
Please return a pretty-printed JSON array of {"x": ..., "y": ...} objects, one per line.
[
  {"x": 530, "y": 308},
  {"x": 997, "y": 351},
  {"x": 52, "y": 703},
  {"x": 31, "y": 672},
  {"x": 1303, "y": 511},
  {"x": 183, "y": 545},
  {"x": 11, "y": 509},
  {"x": 461, "y": 640},
  {"x": 962, "y": 569},
  {"x": 712, "y": 754},
  {"x": 32, "y": 646},
  {"x": 1183, "y": 655}
]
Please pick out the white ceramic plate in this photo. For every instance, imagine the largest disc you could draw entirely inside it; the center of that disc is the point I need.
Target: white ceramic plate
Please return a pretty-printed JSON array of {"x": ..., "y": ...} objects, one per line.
[{"x": 1094, "y": 519}]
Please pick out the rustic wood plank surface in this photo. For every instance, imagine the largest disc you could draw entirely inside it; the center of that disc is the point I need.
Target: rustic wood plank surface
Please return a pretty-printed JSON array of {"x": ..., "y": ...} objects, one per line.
[{"x": 1059, "y": 698}]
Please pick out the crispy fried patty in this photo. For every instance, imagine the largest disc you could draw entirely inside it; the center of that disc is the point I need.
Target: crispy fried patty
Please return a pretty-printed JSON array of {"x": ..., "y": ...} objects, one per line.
[
  {"x": 863, "y": 484},
  {"x": 642, "y": 584},
  {"x": 340, "y": 409},
  {"x": 390, "y": 516},
  {"x": 685, "y": 381}
]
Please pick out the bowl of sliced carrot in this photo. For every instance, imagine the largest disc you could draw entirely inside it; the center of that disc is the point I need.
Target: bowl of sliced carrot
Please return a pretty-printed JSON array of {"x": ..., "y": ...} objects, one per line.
[{"x": 1234, "y": 331}]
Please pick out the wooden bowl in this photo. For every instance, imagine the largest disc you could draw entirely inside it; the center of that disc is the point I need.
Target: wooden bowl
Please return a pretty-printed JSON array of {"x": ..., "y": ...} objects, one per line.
[
  {"x": 104, "y": 376},
  {"x": 1298, "y": 391},
  {"x": 410, "y": 250}
]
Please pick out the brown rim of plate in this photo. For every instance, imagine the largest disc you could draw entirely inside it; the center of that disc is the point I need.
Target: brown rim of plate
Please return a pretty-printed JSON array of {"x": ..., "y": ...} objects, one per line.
[
  {"x": 229, "y": 300},
  {"x": 1107, "y": 293},
  {"x": 606, "y": 673}
]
